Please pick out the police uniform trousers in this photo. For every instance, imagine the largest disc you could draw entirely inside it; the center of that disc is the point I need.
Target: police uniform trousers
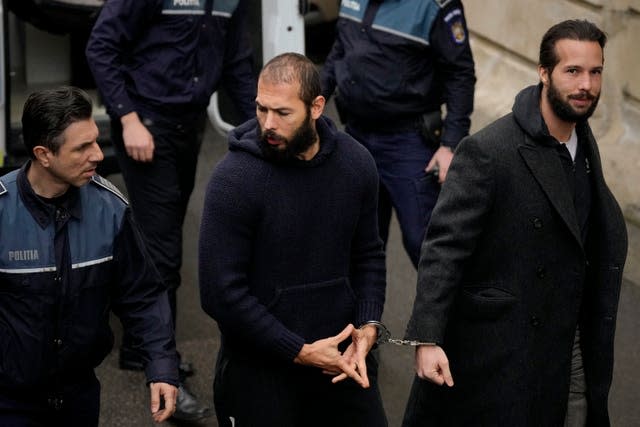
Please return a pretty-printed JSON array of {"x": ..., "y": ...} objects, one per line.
[
  {"x": 72, "y": 404},
  {"x": 253, "y": 392},
  {"x": 401, "y": 157},
  {"x": 159, "y": 191}
]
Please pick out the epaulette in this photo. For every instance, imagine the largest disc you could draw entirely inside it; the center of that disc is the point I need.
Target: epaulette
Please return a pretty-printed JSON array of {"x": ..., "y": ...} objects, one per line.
[
  {"x": 107, "y": 185},
  {"x": 443, "y": 3},
  {"x": 3, "y": 189}
]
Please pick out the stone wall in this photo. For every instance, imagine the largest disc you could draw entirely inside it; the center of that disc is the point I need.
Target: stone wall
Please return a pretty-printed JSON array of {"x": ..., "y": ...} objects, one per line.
[{"x": 505, "y": 37}]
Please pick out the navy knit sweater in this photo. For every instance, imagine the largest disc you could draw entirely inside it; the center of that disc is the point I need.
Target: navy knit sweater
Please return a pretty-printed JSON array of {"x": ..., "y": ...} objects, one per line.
[{"x": 290, "y": 253}]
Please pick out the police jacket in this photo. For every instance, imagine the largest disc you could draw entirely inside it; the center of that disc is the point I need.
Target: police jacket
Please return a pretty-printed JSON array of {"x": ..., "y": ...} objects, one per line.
[
  {"x": 164, "y": 58},
  {"x": 62, "y": 270},
  {"x": 394, "y": 60}
]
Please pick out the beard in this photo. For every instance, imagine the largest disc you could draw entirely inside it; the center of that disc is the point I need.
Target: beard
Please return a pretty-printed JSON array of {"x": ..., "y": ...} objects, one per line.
[
  {"x": 564, "y": 110},
  {"x": 302, "y": 139}
]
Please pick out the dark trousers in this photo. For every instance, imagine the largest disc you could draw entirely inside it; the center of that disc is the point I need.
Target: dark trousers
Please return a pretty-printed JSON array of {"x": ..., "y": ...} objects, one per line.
[
  {"x": 75, "y": 405},
  {"x": 401, "y": 159},
  {"x": 256, "y": 393},
  {"x": 159, "y": 193},
  {"x": 577, "y": 407}
]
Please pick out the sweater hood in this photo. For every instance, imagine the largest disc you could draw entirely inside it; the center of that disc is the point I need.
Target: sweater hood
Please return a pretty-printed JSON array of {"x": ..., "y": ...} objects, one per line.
[
  {"x": 526, "y": 111},
  {"x": 246, "y": 138}
]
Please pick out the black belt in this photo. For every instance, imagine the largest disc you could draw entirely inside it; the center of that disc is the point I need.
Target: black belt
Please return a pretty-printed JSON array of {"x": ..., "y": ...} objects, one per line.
[{"x": 392, "y": 125}]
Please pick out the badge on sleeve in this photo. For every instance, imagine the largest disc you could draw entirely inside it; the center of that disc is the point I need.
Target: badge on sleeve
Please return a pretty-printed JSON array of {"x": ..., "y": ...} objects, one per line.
[{"x": 458, "y": 32}]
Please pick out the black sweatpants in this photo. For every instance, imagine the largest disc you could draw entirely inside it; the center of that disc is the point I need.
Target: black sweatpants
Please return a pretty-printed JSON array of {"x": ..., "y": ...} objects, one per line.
[{"x": 256, "y": 393}]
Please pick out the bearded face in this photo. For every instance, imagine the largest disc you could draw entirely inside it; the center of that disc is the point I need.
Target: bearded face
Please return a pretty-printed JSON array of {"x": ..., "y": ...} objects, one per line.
[
  {"x": 573, "y": 85},
  {"x": 278, "y": 148},
  {"x": 562, "y": 103}
]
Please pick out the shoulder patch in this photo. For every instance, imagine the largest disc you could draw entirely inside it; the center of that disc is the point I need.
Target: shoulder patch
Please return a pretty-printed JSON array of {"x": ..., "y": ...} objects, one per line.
[
  {"x": 455, "y": 20},
  {"x": 3, "y": 189},
  {"x": 107, "y": 185},
  {"x": 458, "y": 32}
]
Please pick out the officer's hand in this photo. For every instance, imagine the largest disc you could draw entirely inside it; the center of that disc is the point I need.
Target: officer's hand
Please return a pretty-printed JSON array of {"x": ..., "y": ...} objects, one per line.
[
  {"x": 442, "y": 160},
  {"x": 138, "y": 142},
  {"x": 324, "y": 354},
  {"x": 167, "y": 394},
  {"x": 432, "y": 364}
]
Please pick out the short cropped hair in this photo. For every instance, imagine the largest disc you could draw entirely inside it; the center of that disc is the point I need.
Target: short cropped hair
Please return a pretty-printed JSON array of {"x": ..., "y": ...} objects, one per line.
[
  {"x": 48, "y": 113},
  {"x": 293, "y": 67},
  {"x": 573, "y": 29}
]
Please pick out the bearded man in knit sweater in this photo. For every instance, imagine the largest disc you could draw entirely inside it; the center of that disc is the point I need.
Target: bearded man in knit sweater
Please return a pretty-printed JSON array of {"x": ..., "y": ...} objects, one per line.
[{"x": 291, "y": 264}]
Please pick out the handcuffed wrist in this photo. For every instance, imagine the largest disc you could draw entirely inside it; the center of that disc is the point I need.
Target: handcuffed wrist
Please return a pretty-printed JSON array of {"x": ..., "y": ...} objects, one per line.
[{"x": 383, "y": 333}]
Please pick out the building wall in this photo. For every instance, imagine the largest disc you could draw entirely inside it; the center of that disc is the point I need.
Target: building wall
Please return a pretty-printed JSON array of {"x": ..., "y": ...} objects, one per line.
[{"x": 505, "y": 38}]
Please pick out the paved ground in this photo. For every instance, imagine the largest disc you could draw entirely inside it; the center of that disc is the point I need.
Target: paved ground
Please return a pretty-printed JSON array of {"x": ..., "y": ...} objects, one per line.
[{"x": 125, "y": 399}]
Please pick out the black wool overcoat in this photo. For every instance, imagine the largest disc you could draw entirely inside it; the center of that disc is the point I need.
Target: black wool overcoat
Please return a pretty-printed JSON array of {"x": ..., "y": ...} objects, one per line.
[{"x": 504, "y": 280}]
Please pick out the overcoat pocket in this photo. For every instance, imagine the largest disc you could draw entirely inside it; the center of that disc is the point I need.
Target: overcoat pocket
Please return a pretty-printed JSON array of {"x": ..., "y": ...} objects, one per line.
[{"x": 484, "y": 302}]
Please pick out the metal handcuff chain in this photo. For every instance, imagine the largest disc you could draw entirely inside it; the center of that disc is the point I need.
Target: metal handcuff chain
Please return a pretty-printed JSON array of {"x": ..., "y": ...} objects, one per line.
[{"x": 384, "y": 335}]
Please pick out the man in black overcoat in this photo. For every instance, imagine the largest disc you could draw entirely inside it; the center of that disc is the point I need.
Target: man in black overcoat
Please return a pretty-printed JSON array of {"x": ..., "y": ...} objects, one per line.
[{"x": 521, "y": 267}]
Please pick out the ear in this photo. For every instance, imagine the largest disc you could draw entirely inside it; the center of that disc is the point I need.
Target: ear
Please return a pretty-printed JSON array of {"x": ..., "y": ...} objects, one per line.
[
  {"x": 317, "y": 107},
  {"x": 41, "y": 154},
  {"x": 544, "y": 75}
]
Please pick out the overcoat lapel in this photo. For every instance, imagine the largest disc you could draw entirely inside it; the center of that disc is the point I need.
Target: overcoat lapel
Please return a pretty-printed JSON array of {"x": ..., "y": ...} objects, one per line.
[{"x": 545, "y": 166}]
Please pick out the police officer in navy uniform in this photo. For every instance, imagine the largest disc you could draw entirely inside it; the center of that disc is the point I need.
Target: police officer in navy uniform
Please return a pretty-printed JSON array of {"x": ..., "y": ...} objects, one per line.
[
  {"x": 156, "y": 64},
  {"x": 394, "y": 64},
  {"x": 70, "y": 253}
]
